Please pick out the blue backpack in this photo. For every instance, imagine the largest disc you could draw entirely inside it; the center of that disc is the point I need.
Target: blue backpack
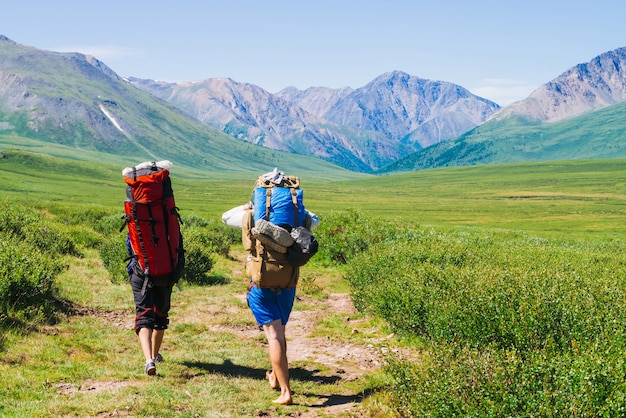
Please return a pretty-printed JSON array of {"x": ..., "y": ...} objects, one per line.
[{"x": 279, "y": 203}]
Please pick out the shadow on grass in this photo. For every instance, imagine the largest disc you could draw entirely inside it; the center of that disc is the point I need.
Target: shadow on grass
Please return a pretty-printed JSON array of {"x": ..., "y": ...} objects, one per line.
[
  {"x": 228, "y": 368},
  {"x": 336, "y": 400},
  {"x": 208, "y": 280}
]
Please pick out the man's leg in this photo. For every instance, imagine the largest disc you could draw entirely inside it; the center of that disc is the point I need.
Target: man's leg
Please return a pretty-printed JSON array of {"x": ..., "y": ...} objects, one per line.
[
  {"x": 275, "y": 333},
  {"x": 157, "y": 339},
  {"x": 162, "y": 299},
  {"x": 145, "y": 339}
]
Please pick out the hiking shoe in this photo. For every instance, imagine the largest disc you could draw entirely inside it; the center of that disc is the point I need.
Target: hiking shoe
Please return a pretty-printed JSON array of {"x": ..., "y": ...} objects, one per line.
[
  {"x": 158, "y": 358},
  {"x": 150, "y": 368}
]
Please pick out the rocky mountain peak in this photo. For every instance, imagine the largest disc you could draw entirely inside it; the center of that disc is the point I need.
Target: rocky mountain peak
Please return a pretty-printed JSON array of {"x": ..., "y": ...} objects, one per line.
[
  {"x": 589, "y": 86},
  {"x": 5, "y": 39}
]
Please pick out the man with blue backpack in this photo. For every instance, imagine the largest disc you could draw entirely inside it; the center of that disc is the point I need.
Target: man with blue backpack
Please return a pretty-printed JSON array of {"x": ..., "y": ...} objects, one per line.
[{"x": 276, "y": 234}]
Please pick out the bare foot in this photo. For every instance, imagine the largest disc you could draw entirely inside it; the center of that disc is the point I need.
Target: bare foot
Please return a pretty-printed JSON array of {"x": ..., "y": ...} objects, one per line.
[
  {"x": 271, "y": 377},
  {"x": 283, "y": 399}
]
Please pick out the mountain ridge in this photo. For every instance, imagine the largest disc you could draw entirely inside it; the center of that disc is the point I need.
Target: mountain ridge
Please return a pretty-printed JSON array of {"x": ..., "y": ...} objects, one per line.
[
  {"x": 577, "y": 115},
  {"x": 585, "y": 87},
  {"x": 365, "y": 128},
  {"x": 397, "y": 122},
  {"x": 75, "y": 100}
]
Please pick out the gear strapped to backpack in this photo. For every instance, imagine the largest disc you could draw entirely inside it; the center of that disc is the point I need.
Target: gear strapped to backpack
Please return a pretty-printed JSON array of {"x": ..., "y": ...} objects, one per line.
[
  {"x": 272, "y": 228},
  {"x": 154, "y": 240}
]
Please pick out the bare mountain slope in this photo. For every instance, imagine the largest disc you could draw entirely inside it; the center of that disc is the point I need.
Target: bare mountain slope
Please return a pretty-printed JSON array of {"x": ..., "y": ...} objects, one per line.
[
  {"x": 364, "y": 129},
  {"x": 400, "y": 106},
  {"x": 77, "y": 101},
  {"x": 248, "y": 112},
  {"x": 589, "y": 86},
  {"x": 578, "y": 115}
]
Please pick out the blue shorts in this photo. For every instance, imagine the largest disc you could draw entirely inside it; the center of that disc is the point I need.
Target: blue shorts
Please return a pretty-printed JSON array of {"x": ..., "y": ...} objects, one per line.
[{"x": 268, "y": 305}]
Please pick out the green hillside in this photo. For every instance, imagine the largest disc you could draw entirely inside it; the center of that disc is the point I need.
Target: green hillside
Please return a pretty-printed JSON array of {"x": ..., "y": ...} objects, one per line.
[
  {"x": 73, "y": 106},
  {"x": 599, "y": 134}
]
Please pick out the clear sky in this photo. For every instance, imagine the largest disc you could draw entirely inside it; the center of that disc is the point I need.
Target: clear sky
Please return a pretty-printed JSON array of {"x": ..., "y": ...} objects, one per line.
[{"x": 498, "y": 49}]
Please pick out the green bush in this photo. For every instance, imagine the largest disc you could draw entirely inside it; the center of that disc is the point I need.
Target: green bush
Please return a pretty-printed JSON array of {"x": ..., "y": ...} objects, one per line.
[
  {"x": 26, "y": 279},
  {"x": 217, "y": 236},
  {"x": 14, "y": 217},
  {"x": 113, "y": 253},
  {"x": 513, "y": 325},
  {"x": 198, "y": 259},
  {"x": 344, "y": 235},
  {"x": 489, "y": 382},
  {"x": 110, "y": 225},
  {"x": 84, "y": 236},
  {"x": 28, "y": 225},
  {"x": 496, "y": 289},
  {"x": 48, "y": 237},
  {"x": 78, "y": 215}
]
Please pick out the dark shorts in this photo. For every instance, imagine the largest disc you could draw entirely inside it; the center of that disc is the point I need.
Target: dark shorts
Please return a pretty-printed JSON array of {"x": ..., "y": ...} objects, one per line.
[
  {"x": 152, "y": 306},
  {"x": 268, "y": 305}
]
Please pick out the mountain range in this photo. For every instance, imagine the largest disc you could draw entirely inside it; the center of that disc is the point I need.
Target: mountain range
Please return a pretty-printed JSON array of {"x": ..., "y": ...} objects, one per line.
[
  {"x": 578, "y": 115},
  {"x": 67, "y": 102},
  {"x": 397, "y": 122},
  {"x": 362, "y": 129}
]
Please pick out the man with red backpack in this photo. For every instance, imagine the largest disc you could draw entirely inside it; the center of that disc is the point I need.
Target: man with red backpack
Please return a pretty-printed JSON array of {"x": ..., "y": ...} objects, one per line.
[{"x": 155, "y": 248}]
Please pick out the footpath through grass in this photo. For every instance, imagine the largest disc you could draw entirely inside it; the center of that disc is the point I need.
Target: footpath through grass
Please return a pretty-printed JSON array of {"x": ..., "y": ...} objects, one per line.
[{"x": 90, "y": 364}]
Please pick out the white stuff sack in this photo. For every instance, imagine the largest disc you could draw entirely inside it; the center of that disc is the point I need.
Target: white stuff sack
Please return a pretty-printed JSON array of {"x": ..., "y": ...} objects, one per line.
[
  {"x": 234, "y": 216},
  {"x": 145, "y": 168}
]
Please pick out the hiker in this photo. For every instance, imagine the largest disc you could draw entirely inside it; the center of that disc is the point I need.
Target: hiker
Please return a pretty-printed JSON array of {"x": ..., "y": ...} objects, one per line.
[
  {"x": 267, "y": 223},
  {"x": 155, "y": 247}
]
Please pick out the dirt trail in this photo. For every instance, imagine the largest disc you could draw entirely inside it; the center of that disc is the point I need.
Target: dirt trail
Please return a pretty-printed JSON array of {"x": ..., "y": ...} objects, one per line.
[{"x": 346, "y": 361}]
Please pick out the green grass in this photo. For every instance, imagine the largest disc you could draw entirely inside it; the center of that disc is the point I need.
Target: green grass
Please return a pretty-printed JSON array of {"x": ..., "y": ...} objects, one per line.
[
  {"x": 554, "y": 198},
  {"x": 484, "y": 231}
]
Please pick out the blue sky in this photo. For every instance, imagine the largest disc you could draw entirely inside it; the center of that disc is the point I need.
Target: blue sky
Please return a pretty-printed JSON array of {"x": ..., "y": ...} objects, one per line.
[{"x": 498, "y": 50}]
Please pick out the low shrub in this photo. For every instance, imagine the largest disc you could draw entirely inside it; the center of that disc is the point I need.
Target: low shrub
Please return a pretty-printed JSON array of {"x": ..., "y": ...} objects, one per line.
[
  {"x": 114, "y": 256},
  {"x": 14, "y": 217},
  {"x": 198, "y": 258},
  {"x": 217, "y": 236},
  {"x": 49, "y": 237},
  {"x": 84, "y": 236},
  {"x": 513, "y": 325},
  {"x": 26, "y": 224},
  {"x": 497, "y": 289},
  {"x": 110, "y": 225},
  {"x": 27, "y": 279},
  {"x": 344, "y": 235},
  {"x": 490, "y": 382}
]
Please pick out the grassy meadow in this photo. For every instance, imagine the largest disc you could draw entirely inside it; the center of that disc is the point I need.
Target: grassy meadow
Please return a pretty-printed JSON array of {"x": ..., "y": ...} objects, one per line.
[{"x": 504, "y": 282}]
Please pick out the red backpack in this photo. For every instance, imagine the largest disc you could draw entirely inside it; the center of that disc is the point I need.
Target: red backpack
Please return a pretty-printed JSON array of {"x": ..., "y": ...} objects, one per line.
[{"x": 155, "y": 242}]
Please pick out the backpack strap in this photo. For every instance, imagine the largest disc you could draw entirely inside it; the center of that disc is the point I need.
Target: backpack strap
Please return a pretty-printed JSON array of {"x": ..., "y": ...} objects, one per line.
[
  {"x": 268, "y": 197},
  {"x": 166, "y": 220},
  {"x": 294, "y": 199},
  {"x": 143, "y": 250}
]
